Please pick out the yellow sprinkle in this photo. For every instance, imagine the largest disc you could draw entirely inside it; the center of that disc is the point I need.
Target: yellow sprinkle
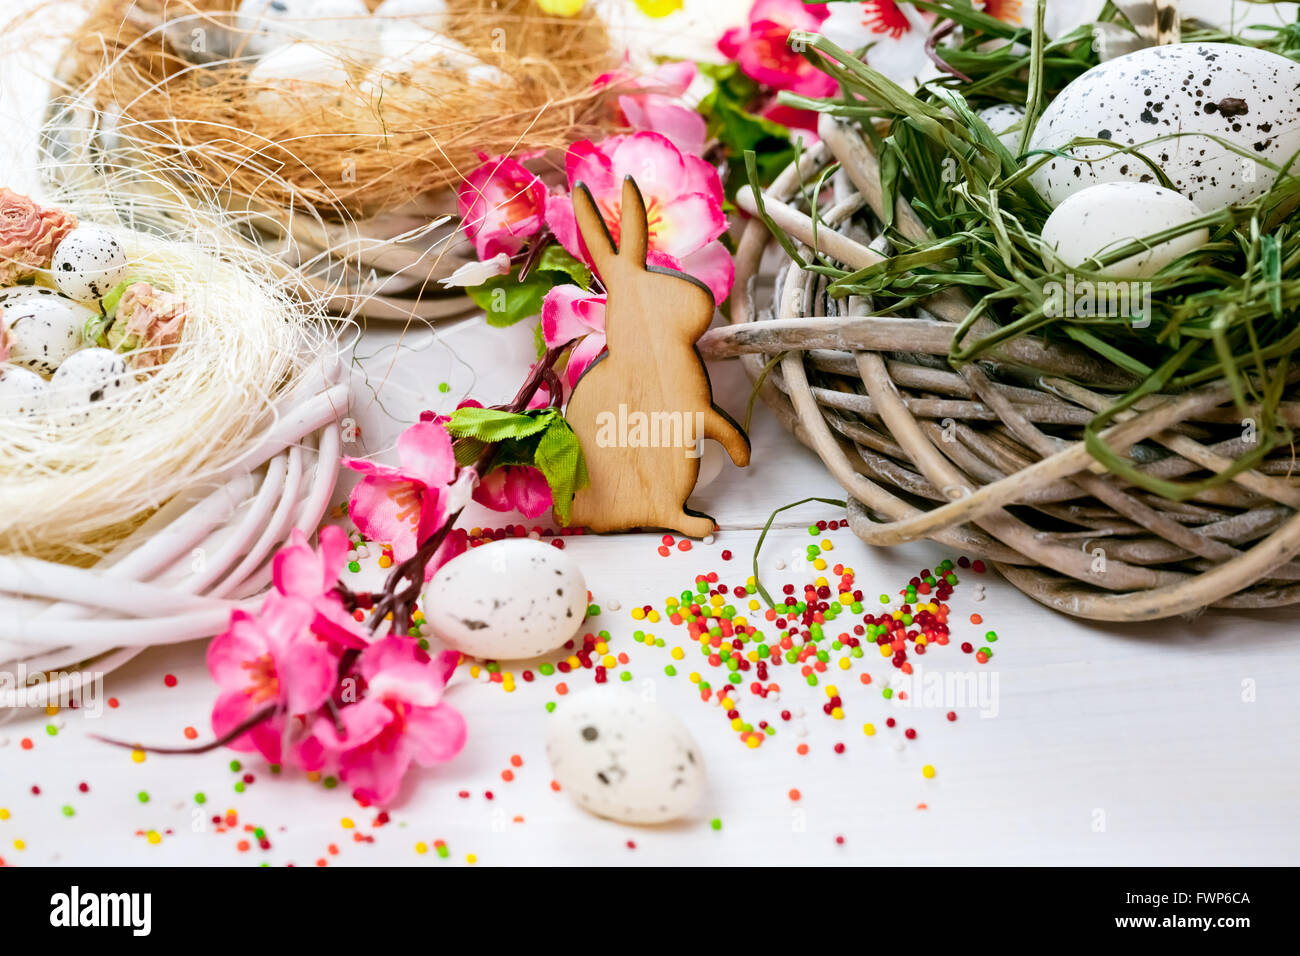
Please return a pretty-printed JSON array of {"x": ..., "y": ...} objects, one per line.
[
  {"x": 470, "y": 858},
  {"x": 609, "y": 660},
  {"x": 832, "y": 690},
  {"x": 653, "y": 617},
  {"x": 869, "y": 729},
  {"x": 508, "y": 688},
  {"x": 753, "y": 605},
  {"x": 4, "y": 813},
  {"x": 739, "y": 620},
  {"x": 422, "y": 847},
  {"x": 819, "y": 564},
  {"x": 313, "y": 776},
  {"x": 885, "y": 650},
  {"x": 920, "y": 639},
  {"x": 848, "y": 571},
  {"x": 752, "y": 656},
  {"x": 837, "y": 713},
  {"x": 154, "y": 837},
  {"x": 717, "y": 600},
  {"x": 385, "y": 561},
  {"x": 474, "y": 671},
  {"x": 727, "y": 703},
  {"x": 672, "y": 602},
  {"x": 574, "y": 662},
  {"x": 677, "y": 653},
  {"x": 826, "y": 545},
  {"x": 695, "y": 677},
  {"x": 137, "y": 756},
  {"x": 19, "y": 845},
  {"x": 638, "y": 613},
  {"x": 898, "y": 615},
  {"x": 51, "y": 710},
  {"x": 927, "y": 771},
  {"x": 820, "y": 582},
  {"x": 601, "y": 647},
  {"x": 845, "y": 663},
  {"x": 846, "y": 600},
  {"x": 417, "y": 617},
  {"x": 737, "y": 724},
  {"x": 347, "y": 823},
  {"x": 753, "y": 742}
]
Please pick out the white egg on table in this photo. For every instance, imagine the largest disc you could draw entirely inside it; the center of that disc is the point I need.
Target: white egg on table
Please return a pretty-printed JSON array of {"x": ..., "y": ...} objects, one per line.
[
  {"x": 88, "y": 263},
  {"x": 296, "y": 80},
  {"x": 1109, "y": 215},
  {"x": 508, "y": 600},
  {"x": 429, "y": 14},
  {"x": 1001, "y": 118},
  {"x": 86, "y": 382},
  {"x": 44, "y": 331},
  {"x": 623, "y": 757},
  {"x": 1203, "y": 91},
  {"x": 23, "y": 394}
]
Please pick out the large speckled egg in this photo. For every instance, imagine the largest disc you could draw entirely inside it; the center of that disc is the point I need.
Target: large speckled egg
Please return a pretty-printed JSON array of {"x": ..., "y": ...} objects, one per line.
[
  {"x": 86, "y": 382},
  {"x": 1244, "y": 96},
  {"x": 88, "y": 263},
  {"x": 1109, "y": 215},
  {"x": 44, "y": 330},
  {"x": 23, "y": 394},
  {"x": 507, "y": 600},
  {"x": 624, "y": 757}
]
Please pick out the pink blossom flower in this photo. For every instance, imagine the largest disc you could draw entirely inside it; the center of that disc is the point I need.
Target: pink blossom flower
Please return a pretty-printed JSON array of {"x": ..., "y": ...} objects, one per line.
[
  {"x": 148, "y": 324},
  {"x": 683, "y": 198},
  {"x": 501, "y": 204},
  {"x": 307, "y": 575},
  {"x": 29, "y": 234},
  {"x": 400, "y": 720},
  {"x": 273, "y": 658},
  {"x": 763, "y": 51},
  {"x": 654, "y": 102},
  {"x": 569, "y": 313},
  {"x": 405, "y": 505}
]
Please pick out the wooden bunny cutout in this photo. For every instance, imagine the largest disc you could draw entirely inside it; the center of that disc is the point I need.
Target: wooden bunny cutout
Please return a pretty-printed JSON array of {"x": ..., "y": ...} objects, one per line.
[{"x": 642, "y": 410}]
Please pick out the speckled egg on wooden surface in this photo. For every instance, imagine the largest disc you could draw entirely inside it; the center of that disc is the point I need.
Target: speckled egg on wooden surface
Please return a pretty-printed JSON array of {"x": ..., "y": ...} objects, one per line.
[
  {"x": 508, "y": 600},
  {"x": 85, "y": 383},
  {"x": 23, "y": 394},
  {"x": 44, "y": 331},
  {"x": 88, "y": 263},
  {"x": 1109, "y": 215},
  {"x": 624, "y": 757},
  {"x": 1244, "y": 96}
]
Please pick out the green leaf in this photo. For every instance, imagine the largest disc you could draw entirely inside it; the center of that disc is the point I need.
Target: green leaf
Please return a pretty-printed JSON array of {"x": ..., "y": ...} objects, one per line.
[
  {"x": 492, "y": 425},
  {"x": 506, "y": 300},
  {"x": 555, "y": 258},
  {"x": 559, "y": 458}
]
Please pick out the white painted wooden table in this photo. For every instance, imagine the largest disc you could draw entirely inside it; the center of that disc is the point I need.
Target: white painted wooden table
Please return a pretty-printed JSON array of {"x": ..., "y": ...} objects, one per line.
[{"x": 1176, "y": 742}]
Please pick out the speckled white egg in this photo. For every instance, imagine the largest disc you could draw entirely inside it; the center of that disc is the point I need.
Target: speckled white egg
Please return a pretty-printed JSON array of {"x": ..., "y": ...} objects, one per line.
[
  {"x": 507, "y": 600},
  {"x": 88, "y": 263},
  {"x": 1001, "y": 118},
  {"x": 1245, "y": 96},
  {"x": 23, "y": 394},
  {"x": 18, "y": 293},
  {"x": 624, "y": 757},
  {"x": 86, "y": 382},
  {"x": 429, "y": 14},
  {"x": 300, "y": 78},
  {"x": 44, "y": 331},
  {"x": 1109, "y": 215}
]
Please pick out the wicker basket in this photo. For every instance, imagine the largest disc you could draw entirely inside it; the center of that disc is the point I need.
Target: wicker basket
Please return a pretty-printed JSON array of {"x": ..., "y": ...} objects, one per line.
[{"x": 989, "y": 458}]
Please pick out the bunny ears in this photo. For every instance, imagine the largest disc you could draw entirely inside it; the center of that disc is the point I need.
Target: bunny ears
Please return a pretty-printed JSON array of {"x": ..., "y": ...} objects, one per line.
[{"x": 633, "y": 238}]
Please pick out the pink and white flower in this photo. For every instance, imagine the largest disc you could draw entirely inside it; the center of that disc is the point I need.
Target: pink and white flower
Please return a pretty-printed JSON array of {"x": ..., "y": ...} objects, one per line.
[
  {"x": 148, "y": 324},
  {"x": 401, "y": 720},
  {"x": 273, "y": 658},
  {"x": 654, "y": 103},
  {"x": 569, "y": 313},
  {"x": 501, "y": 204},
  {"x": 405, "y": 505},
  {"x": 763, "y": 50},
  {"x": 683, "y": 198},
  {"x": 310, "y": 576}
]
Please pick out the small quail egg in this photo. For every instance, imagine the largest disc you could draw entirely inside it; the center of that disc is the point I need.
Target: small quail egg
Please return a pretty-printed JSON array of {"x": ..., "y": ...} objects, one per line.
[
  {"x": 44, "y": 331},
  {"x": 88, "y": 263},
  {"x": 1001, "y": 118},
  {"x": 23, "y": 394},
  {"x": 86, "y": 381}
]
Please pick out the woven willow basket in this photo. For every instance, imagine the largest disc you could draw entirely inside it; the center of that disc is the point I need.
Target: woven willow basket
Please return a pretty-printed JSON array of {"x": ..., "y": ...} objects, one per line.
[{"x": 989, "y": 458}]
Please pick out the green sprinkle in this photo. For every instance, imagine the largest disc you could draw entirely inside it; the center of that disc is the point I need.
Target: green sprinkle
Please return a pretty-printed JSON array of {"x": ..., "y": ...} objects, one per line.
[
  {"x": 200, "y": 798},
  {"x": 547, "y": 669},
  {"x": 991, "y": 636},
  {"x": 329, "y": 783},
  {"x": 51, "y": 730},
  {"x": 813, "y": 530},
  {"x": 884, "y": 599},
  {"x": 236, "y": 766},
  {"x": 444, "y": 387},
  {"x": 593, "y": 610},
  {"x": 887, "y": 693},
  {"x": 812, "y": 680},
  {"x": 68, "y": 811},
  {"x": 626, "y": 675},
  {"x": 443, "y": 851},
  {"x": 275, "y": 768},
  {"x": 670, "y": 670},
  {"x": 716, "y": 823},
  {"x": 354, "y": 566},
  {"x": 550, "y": 706},
  {"x": 239, "y": 787},
  {"x": 143, "y": 796}
]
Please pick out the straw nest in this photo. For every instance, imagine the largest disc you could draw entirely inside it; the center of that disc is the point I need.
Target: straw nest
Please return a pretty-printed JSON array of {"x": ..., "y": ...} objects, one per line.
[
  {"x": 74, "y": 485},
  {"x": 382, "y": 145}
]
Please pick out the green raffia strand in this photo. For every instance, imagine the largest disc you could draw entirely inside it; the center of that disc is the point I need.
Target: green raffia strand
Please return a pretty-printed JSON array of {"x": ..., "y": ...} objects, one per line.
[
  {"x": 758, "y": 546},
  {"x": 758, "y": 386},
  {"x": 1223, "y": 312}
]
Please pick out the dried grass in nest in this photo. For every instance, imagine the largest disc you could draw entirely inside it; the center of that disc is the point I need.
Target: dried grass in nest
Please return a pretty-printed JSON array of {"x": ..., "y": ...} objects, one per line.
[{"x": 372, "y": 154}]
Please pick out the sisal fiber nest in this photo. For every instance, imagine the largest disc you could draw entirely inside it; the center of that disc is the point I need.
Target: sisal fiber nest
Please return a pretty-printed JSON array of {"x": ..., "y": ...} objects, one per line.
[
  {"x": 380, "y": 147},
  {"x": 988, "y": 457}
]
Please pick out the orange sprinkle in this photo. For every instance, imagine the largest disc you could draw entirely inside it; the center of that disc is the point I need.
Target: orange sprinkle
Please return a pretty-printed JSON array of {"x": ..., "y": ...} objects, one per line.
[
  {"x": 321, "y": 862},
  {"x": 561, "y": 688},
  {"x": 27, "y": 743},
  {"x": 334, "y": 849},
  {"x": 242, "y": 846},
  {"x": 795, "y": 794},
  {"x": 976, "y": 619},
  {"x": 190, "y": 733},
  {"x": 516, "y": 760},
  {"x": 555, "y": 785},
  {"x": 801, "y": 749},
  {"x": 507, "y": 775}
]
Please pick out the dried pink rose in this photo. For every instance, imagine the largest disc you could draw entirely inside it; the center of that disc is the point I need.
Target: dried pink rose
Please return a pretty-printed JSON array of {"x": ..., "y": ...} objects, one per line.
[
  {"x": 149, "y": 323},
  {"x": 29, "y": 234}
]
